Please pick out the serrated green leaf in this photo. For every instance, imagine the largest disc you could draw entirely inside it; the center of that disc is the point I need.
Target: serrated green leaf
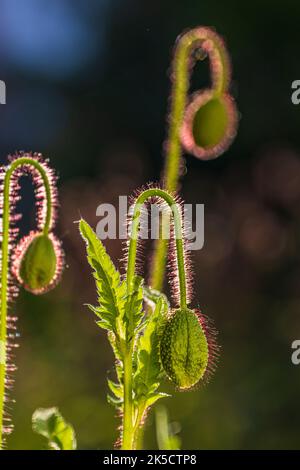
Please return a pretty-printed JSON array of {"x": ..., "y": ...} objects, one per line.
[
  {"x": 115, "y": 388},
  {"x": 48, "y": 422},
  {"x": 134, "y": 307},
  {"x": 115, "y": 402},
  {"x": 110, "y": 288}
]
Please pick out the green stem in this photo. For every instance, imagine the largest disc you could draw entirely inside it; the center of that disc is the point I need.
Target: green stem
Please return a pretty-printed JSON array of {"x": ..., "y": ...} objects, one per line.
[
  {"x": 181, "y": 80},
  {"x": 178, "y": 233},
  {"x": 129, "y": 426},
  {"x": 5, "y": 263},
  {"x": 138, "y": 428},
  {"x": 127, "y": 441}
]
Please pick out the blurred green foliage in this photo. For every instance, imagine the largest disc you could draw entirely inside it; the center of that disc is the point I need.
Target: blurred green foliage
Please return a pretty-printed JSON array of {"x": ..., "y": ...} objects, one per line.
[{"x": 49, "y": 423}]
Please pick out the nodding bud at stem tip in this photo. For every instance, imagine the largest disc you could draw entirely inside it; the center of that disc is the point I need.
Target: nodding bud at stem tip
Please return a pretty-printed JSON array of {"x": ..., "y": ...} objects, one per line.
[
  {"x": 187, "y": 348},
  {"x": 209, "y": 125},
  {"x": 38, "y": 262}
]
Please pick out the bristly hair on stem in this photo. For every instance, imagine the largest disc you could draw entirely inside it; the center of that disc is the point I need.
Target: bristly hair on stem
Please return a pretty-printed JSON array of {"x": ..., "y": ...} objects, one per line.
[
  {"x": 178, "y": 343},
  {"x": 203, "y": 124},
  {"x": 36, "y": 261},
  {"x": 136, "y": 337}
]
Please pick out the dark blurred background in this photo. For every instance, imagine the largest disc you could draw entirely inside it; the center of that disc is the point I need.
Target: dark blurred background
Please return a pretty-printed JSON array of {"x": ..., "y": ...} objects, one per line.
[{"x": 88, "y": 86}]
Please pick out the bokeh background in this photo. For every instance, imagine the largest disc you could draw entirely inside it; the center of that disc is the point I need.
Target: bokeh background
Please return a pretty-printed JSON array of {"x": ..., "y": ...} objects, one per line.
[{"x": 88, "y": 86}]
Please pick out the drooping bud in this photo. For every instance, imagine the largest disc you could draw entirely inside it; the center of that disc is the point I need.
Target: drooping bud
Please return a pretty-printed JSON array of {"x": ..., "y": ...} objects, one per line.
[
  {"x": 185, "y": 350},
  {"x": 38, "y": 262},
  {"x": 209, "y": 125}
]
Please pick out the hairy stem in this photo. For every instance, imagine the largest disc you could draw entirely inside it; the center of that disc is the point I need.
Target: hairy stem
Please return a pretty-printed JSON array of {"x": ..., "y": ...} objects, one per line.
[
  {"x": 5, "y": 264},
  {"x": 178, "y": 233},
  {"x": 182, "y": 62},
  {"x": 127, "y": 441},
  {"x": 130, "y": 428}
]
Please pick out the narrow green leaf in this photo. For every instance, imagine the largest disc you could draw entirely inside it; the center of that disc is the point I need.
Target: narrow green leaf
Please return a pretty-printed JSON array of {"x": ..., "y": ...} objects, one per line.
[
  {"x": 48, "y": 422},
  {"x": 149, "y": 369},
  {"x": 155, "y": 397}
]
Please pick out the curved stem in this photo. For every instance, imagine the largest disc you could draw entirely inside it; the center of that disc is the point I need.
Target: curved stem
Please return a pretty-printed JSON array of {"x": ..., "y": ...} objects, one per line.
[
  {"x": 182, "y": 67},
  {"x": 5, "y": 262},
  {"x": 129, "y": 427},
  {"x": 178, "y": 232}
]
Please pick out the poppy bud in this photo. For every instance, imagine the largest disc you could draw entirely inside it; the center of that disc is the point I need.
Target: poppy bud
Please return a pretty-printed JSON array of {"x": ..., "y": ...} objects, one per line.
[
  {"x": 38, "y": 262},
  {"x": 184, "y": 349},
  {"x": 209, "y": 124}
]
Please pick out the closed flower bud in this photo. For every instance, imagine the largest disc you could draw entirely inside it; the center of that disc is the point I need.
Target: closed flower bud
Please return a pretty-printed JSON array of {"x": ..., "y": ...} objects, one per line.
[
  {"x": 185, "y": 350},
  {"x": 38, "y": 262},
  {"x": 209, "y": 125}
]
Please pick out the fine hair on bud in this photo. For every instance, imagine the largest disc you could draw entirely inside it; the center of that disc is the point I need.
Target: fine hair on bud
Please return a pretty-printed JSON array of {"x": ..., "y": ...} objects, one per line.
[
  {"x": 208, "y": 118},
  {"x": 188, "y": 349},
  {"x": 35, "y": 261},
  {"x": 209, "y": 125},
  {"x": 38, "y": 262}
]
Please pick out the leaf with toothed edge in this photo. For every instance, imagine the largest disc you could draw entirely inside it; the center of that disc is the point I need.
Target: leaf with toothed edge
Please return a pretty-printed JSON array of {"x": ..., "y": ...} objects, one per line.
[
  {"x": 110, "y": 288},
  {"x": 115, "y": 388},
  {"x": 112, "y": 302},
  {"x": 115, "y": 398},
  {"x": 134, "y": 308}
]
